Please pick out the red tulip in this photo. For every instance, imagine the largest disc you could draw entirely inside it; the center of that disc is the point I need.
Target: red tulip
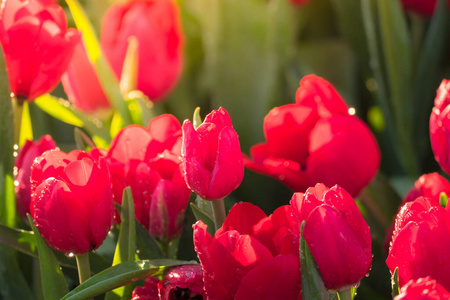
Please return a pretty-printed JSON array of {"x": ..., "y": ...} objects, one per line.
[
  {"x": 212, "y": 161},
  {"x": 420, "y": 242},
  {"x": 29, "y": 151},
  {"x": 71, "y": 201},
  {"x": 336, "y": 234},
  {"x": 251, "y": 257},
  {"x": 428, "y": 185},
  {"x": 314, "y": 141},
  {"x": 156, "y": 25},
  {"x": 422, "y": 7},
  {"x": 184, "y": 279},
  {"x": 82, "y": 85},
  {"x": 37, "y": 45},
  {"x": 147, "y": 160},
  {"x": 440, "y": 126},
  {"x": 423, "y": 289}
]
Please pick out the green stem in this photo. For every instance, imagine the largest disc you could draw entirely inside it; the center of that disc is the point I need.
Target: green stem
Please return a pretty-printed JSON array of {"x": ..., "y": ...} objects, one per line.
[
  {"x": 17, "y": 111},
  {"x": 219, "y": 215},
  {"x": 84, "y": 269},
  {"x": 345, "y": 294}
]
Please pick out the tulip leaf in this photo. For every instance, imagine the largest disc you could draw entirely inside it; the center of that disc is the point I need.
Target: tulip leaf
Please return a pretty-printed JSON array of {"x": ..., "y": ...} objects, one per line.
[
  {"x": 25, "y": 242},
  {"x": 8, "y": 203},
  {"x": 54, "y": 285},
  {"x": 312, "y": 284},
  {"x": 120, "y": 275},
  {"x": 197, "y": 119},
  {"x": 395, "y": 284},
  {"x": 146, "y": 247},
  {"x": 82, "y": 140},
  {"x": 126, "y": 243},
  {"x": 201, "y": 215},
  {"x": 62, "y": 110},
  {"x": 443, "y": 199},
  {"x": 26, "y": 130},
  {"x": 105, "y": 74},
  {"x": 58, "y": 109}
]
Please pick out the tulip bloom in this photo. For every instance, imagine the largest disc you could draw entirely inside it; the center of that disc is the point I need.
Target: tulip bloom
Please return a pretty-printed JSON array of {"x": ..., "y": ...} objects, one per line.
[
  {"x": 440, "y": 126},
  {"x": 336, "y": 234},
  {"x": 147, "y": 160},
  {"x": 156, "y": 25},
  {"x": 187, "y": 278},
  {"x": 37, "y": 45},
  {"x": 316, "y": 140},
  {"x": 82, "y": 85},
  {"x": 29, "y": 151},
  {"x": 428, "y": 185},
  {"x": 251, "y": 256},
  {"x": 421, "y": 241},
  {"x": 71, "y": 200},
  {"x": 423, "y": 289},
  {"x": 212, "y": 161}
]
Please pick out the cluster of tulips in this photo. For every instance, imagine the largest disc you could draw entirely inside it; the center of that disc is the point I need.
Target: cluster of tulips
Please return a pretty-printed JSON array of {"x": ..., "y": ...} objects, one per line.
[{"x": 139, "y": 183}]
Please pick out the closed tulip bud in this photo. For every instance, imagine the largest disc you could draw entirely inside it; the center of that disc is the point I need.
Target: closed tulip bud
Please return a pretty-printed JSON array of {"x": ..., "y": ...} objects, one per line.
[
  {"x": 423, "y": 289},
  {"x": 82, "y": 85},
  {"x": 156, "y": 26},
  {"x": 314, "y": 141},
  {"x": 29, "y": 151},
  {"x": 420, "y": 243},
  {"x": 336, "y": 234},
  {"x": 37, "y": 45},
  {"x": 440, "y": 126},
  {"x": 425, "y": 8},
  {"x": 71, "y": 202},
  {"x": 211, "y": 155}
]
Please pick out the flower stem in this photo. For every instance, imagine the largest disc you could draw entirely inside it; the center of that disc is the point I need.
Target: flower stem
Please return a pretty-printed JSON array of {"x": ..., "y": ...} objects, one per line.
[
  {"x": 345, "y": 294},
  {"x": 84, "y": 269},
  {"x": 219, "y": 215}
]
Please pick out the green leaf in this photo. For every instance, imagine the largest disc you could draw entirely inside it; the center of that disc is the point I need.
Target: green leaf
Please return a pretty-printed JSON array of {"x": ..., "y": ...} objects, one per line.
[
  {"x": 26, "y": 130},
  {"x": 201, "y": 215},
  {"x": 104, "y": 71},
  {"x": 120, "y": 275},
  {"x": 128, "y": 77},
  {"x": 54, "y": 286},
  {"x": 146, "y": 246},
  {"x": 312, "y": 284},
  {"x": 12, "y": 281},
  {"x": 25, "y": 242},
  {"x": 197, "y": 119},
  {"x": 443, "y": 199},
  {"x": 8, "y": 203},
  {"x": 59, "y": 109},
  {"x": 126, "y": 243},
  {"x": 395, "y": 284}
]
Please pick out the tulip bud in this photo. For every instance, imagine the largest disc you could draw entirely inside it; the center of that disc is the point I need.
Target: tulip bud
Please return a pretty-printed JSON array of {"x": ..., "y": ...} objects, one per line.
[
  {"x": 37, "y": 45},
  {"x": 156, "y": 26},
  {"x": 71, "y": 201},
  {"x": 419, "y": 246},
  {"x": 211, "y": 155},
  {"x": 82, "y": 85},
  {"x": 336, "y": 234},
  {"x": 425, "y": 8},
  {"x": 29, "y": 151},
  {"x": 440, "y": 126}
]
